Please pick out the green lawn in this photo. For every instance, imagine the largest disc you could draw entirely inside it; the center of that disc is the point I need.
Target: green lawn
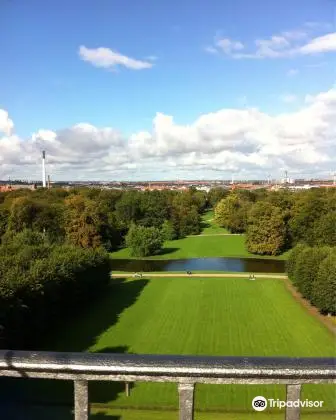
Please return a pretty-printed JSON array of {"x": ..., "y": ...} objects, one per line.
[
  {"x": 209, "y": 225},
  {"x": 155, "y": 415},
  {"x": 202, "y": 246},
  {"x": 58, "y": 413},
  {"x": 200, "y": 316}
]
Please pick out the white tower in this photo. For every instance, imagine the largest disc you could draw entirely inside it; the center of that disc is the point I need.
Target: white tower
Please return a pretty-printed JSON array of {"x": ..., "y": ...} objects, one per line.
[{"x": 44, "y": 183}]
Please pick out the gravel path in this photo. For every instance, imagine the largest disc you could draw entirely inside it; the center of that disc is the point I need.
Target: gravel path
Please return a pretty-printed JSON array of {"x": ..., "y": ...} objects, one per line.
[
  {"x": 227, "y": 275},
  {"x": 216, "y": 234}
]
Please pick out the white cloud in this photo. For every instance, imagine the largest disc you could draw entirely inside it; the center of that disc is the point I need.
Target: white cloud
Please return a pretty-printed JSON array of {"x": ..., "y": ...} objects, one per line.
[
  {"x": 288, "y": 98},
  {"x": 320, "y": 44},
  {"x": 245, "y": 141},
  {"x": 290, "y": 43},
  {"x": 228, "y": 46},
  {"x": 225, "y": 45},
  {"x": 211, "y": 50},
  {"x": 106, "y": 58},
  {"x": 292, "y": 72},
  {"x": 6, "y": 124}
]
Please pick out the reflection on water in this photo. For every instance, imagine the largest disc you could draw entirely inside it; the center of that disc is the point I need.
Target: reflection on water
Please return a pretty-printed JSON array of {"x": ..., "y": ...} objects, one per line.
[{"x": 206, "y": 264}]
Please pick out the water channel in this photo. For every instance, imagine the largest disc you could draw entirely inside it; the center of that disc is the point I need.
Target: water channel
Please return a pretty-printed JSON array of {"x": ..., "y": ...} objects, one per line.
[{"x": 250, "y": 265}]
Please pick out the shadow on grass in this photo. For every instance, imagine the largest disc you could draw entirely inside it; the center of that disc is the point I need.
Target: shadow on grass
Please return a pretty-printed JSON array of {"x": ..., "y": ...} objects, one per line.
[
  {"x": 205, "y": 225},
  {"x": 85, "y": 328},
  {"x": 104, "y": 416},
  {"x": 102, "y": 392},
  {"x": 79, "y": 334},
  {"x": 165, "y": 251}
]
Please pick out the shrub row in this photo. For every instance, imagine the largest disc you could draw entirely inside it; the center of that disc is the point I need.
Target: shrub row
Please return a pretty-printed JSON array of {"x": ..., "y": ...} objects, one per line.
[
  {"x": 40, "y": 286},
  {"x": 313, "y": 272}
]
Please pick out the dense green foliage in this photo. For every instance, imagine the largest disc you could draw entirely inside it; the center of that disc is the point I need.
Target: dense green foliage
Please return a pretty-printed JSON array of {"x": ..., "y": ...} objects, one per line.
[
  {"x": 144, "y": 241},
  {"x": 313, "y": 271},
  {"x": 40, "y": 284},
  {"x": 276, "y": 221},
  {"x": 90, "y": 218},
  {"x": 231, "y": 213},
  {"x": 53, "y": 261},
  {"x": 168, "y": 231},
  {"x": 266, "y": 231},
  {"x": 324, "y": 285}
]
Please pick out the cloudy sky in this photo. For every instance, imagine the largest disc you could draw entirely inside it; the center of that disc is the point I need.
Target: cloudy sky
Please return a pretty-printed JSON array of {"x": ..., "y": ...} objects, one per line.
[{"x": 148, "y": 89}]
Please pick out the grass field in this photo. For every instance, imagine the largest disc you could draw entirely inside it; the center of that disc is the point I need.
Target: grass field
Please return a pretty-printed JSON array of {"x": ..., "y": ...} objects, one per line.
[
  {"x": 197, "y": 316},
  {"x": 201, "y": 246},
  {"x": 209, "y": 225},
  {"x": 53, "y": 413}
]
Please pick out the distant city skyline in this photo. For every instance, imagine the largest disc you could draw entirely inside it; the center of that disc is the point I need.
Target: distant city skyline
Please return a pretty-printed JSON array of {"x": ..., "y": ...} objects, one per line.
[{"x": 124, "y": 90}]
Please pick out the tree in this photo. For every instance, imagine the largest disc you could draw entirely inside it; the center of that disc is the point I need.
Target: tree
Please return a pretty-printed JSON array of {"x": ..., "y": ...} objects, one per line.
[
  {"x": 82, "y": 222},
  {"x": 324, "y": 286},
  {"x": 153, "y": 209},
  {"x": 292, "y": 259},
  {"x": 24, "y": 211},
  {"x": 185, "y": 221},
  {"x": 231, "y": 213},
  {"x": 306, "y": 269},
  {"x": 167, "y": 230},
  {"x": 50, "y": 220},
  {"x": 308, "y": 207},
  {"x": 200, "y": 200},
  {"x": 266, "y": 232},
  {"x": 128, "y": 208},
  {"x": 215, "y": 195},
  {"x": 324, "y": 230},
  {"x": 4, "y": 219},
  {"x": 144, "y": 241}
]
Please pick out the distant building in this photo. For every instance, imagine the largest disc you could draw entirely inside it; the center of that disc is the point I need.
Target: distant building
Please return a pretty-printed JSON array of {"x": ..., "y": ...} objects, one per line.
[{"x": 9, "y": 187}]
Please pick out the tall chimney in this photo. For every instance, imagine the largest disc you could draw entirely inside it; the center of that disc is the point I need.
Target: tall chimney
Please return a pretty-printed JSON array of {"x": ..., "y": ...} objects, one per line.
[{"x": 44, "y": 183}]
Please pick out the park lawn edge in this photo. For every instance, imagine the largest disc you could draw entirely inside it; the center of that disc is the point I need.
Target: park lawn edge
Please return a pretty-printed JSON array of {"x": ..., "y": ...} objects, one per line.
[
  {"x": 171, "y": 414},
  {"x": 152, "y": 273},
  {"x": 282, "y": 257}
]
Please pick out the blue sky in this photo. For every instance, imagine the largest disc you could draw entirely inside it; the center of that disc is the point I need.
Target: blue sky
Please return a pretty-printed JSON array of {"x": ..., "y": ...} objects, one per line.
[{"x": 46, "y": 83}]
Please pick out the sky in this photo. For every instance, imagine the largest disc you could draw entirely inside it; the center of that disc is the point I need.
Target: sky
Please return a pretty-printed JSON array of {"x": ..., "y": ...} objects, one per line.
[{"x": 154, "y": 89}]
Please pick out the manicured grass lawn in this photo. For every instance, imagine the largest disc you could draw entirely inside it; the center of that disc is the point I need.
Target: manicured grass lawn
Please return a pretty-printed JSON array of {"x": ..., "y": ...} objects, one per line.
[
  {"x": 203, "y": 316},
  {"x": 209, "y": 225},
  {"x": 166, "y": 415},
  {"x": 57, "y": 413},
  {"x": 201, "y": 247}
]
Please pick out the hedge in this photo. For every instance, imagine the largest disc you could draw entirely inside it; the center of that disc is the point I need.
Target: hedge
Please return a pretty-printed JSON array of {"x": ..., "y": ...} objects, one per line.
[{"x": 38, "y": 293}]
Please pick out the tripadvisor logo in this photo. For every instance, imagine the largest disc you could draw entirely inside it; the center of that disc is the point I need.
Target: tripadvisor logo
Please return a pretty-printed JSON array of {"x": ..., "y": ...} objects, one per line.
[{"x": 260, "y": 403}]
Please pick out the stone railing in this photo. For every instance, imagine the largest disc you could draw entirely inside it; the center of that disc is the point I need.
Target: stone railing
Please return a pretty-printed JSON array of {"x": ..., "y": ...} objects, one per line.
[{"x": 186, "y": 371}]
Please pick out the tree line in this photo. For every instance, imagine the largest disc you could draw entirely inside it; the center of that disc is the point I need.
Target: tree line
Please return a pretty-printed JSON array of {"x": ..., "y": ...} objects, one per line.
[
  {"x": 313, "y": 271},
  {"x": 276, "y": 221},
  {"x": 54, "y": 243},
  {"x": 42, "y": 283},
  {"x": 93, "y": 218}
]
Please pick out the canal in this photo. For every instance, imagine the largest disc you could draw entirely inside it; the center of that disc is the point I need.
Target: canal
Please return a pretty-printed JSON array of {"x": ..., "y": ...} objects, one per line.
[{"x": 238, "y": 265}]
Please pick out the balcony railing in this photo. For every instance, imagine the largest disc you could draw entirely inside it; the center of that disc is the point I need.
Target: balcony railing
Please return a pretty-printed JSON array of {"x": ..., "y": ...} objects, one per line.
[{"x": 186, "y": 371}]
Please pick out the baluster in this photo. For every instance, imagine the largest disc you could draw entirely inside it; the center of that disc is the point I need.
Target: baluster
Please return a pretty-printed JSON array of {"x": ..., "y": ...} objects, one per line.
[
  {"x": 293, "y": 394},
  {"x": 81, "y": 400},
  {"x": 186, "y": 401}
]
